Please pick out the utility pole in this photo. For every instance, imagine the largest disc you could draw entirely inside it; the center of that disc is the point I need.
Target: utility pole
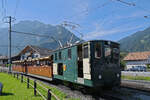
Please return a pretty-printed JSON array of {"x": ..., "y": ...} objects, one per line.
[
  {"x": 9, "y": 20},
  {"x": 9, "y": 44}
]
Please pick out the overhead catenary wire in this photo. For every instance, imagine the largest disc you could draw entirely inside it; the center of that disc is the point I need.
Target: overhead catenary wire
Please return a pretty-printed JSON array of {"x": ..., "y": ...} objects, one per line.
[
  {"x": 70, "y": 24},
  {"x": 124, "y": 2},
  {"x": 32, "y": 34},
  {"x": 135, "y": 5},
  {"x": 86, "y": 10},
  {"x": 12, "y": 46},
  {"x": 3, "y": 8},
  {"x": 38, "y": 35},
  {"x": 16, "y": 8}
]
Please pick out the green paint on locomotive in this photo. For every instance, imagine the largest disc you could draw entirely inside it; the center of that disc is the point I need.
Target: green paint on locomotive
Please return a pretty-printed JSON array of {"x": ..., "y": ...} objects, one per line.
[
  {"x": 103, "y": 71},
  {"x": 70, "y": 73}
]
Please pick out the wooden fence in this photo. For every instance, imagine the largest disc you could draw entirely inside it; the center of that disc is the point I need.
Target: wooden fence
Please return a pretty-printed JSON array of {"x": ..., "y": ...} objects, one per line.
[{"x": 34, "y": 86}]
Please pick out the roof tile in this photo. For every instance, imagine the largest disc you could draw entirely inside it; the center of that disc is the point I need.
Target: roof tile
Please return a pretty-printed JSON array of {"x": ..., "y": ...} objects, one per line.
[{"x": 137, "y": 56}]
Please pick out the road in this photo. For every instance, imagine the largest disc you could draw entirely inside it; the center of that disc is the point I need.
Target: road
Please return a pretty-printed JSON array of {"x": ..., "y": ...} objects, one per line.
[{"x": 130, "y": 73}]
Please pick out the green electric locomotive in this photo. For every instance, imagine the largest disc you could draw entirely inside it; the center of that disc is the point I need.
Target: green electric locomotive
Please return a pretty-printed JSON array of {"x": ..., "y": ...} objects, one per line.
[{"x": 93, "y": 63}]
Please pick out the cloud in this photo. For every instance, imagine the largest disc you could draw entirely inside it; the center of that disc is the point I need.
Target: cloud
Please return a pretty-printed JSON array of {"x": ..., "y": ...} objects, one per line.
[
  {"x": 107, "y": 26},
  {"x": 99, "y": 32}
]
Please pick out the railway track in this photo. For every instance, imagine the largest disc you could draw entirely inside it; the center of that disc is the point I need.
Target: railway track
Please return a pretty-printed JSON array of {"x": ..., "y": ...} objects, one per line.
[
  {"x": 136, "y": 84},
  {"x": 122, "y": 93},
  {"x": 76, "y": 93}
]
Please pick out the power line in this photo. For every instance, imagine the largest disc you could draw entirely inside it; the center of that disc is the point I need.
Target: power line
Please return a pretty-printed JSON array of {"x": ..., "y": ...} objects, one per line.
[
  {"x": 73, "y": 25},
  {"x": 86, "y": 11},
  {"x": 124, "y": 2},
  {"x": 5, "y": 10},
  {"x": 12, "y": 46},
  {"x": 2, "y": 1},
  {"x": 39, "y": 35},
  {"x": 17, "y": 4},
  {"x": 133, "y": 4}
]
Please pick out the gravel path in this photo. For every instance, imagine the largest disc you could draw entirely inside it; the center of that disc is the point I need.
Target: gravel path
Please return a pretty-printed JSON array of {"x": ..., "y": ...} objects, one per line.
[{"x": 74, "y": 93}]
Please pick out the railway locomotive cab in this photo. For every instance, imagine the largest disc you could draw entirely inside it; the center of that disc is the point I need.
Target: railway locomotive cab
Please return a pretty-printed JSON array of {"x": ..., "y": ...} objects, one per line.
[{"x": 93, "y": 64}]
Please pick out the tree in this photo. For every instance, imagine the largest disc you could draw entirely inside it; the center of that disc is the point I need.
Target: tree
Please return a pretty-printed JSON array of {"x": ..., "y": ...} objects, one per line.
[{"x": 122, "y": 62}]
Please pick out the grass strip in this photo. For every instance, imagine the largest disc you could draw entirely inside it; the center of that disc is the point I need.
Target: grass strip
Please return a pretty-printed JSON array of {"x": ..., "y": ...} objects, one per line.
[
  {"x": 135, "y": 77},
  {"x": 15, "y": 90}
]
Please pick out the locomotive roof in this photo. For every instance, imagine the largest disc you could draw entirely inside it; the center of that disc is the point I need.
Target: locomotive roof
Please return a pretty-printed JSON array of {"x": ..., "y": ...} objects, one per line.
[
  {"x": 103, "y": 40},
  {"x": 84, "y": 43}
]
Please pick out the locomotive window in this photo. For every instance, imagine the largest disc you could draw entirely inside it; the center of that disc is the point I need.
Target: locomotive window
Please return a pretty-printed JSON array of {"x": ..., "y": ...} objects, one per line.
[
  {"x": 115, "y": 53},
  {"x": 85, "y": 52},
  {"x": 55, "y": 56},
  {"x": 107, "y": 51},
  {"x": 97, "y": 50},
  {"x": 69, "y": 53},
  {"x": 59, "y": 55}
]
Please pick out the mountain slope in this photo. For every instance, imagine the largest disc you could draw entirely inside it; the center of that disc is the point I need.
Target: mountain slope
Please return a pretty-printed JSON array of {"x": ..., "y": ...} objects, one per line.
[
  {"x": 139, "y": 41},
  {"x": 21, "y": 40}
]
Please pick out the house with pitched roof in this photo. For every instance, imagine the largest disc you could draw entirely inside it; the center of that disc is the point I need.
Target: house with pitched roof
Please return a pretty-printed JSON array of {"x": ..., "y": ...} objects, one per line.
[
  {"x": 3, "y": 60},
  {"x": 30, "y": 52},
  {"x": 137, "y": 59}
]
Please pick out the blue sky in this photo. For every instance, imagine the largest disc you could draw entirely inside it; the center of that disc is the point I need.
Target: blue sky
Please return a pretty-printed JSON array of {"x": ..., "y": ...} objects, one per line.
[{"x": 98, "y": 19}]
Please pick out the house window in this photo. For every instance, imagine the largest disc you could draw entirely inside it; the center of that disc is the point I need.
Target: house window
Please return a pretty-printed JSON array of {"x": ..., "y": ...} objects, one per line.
[
  {"x": 85, "y": 51},
  {"x": 59, "y": 55},
  {"x": 55, "y": 56},
  {"x": 36, "y": 56},
  {"x": 69, "y": 53},
  {"x": 97, "y": 50}
]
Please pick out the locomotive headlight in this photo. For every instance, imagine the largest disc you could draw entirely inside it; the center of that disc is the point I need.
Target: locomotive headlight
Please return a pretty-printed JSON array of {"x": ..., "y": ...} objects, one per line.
[
  {"x": 118, "y": 75},
  {"x": 100, "y": 76}
]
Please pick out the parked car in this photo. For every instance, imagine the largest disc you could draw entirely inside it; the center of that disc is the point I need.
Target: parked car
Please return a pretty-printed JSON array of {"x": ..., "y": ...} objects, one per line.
[
  {"x": 137, "y": 68},
  {"x": 142, "y": 68}
]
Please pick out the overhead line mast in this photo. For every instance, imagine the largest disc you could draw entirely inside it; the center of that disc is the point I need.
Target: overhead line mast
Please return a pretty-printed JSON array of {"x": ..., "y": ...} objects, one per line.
[{"x": 9, "y": 20}]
